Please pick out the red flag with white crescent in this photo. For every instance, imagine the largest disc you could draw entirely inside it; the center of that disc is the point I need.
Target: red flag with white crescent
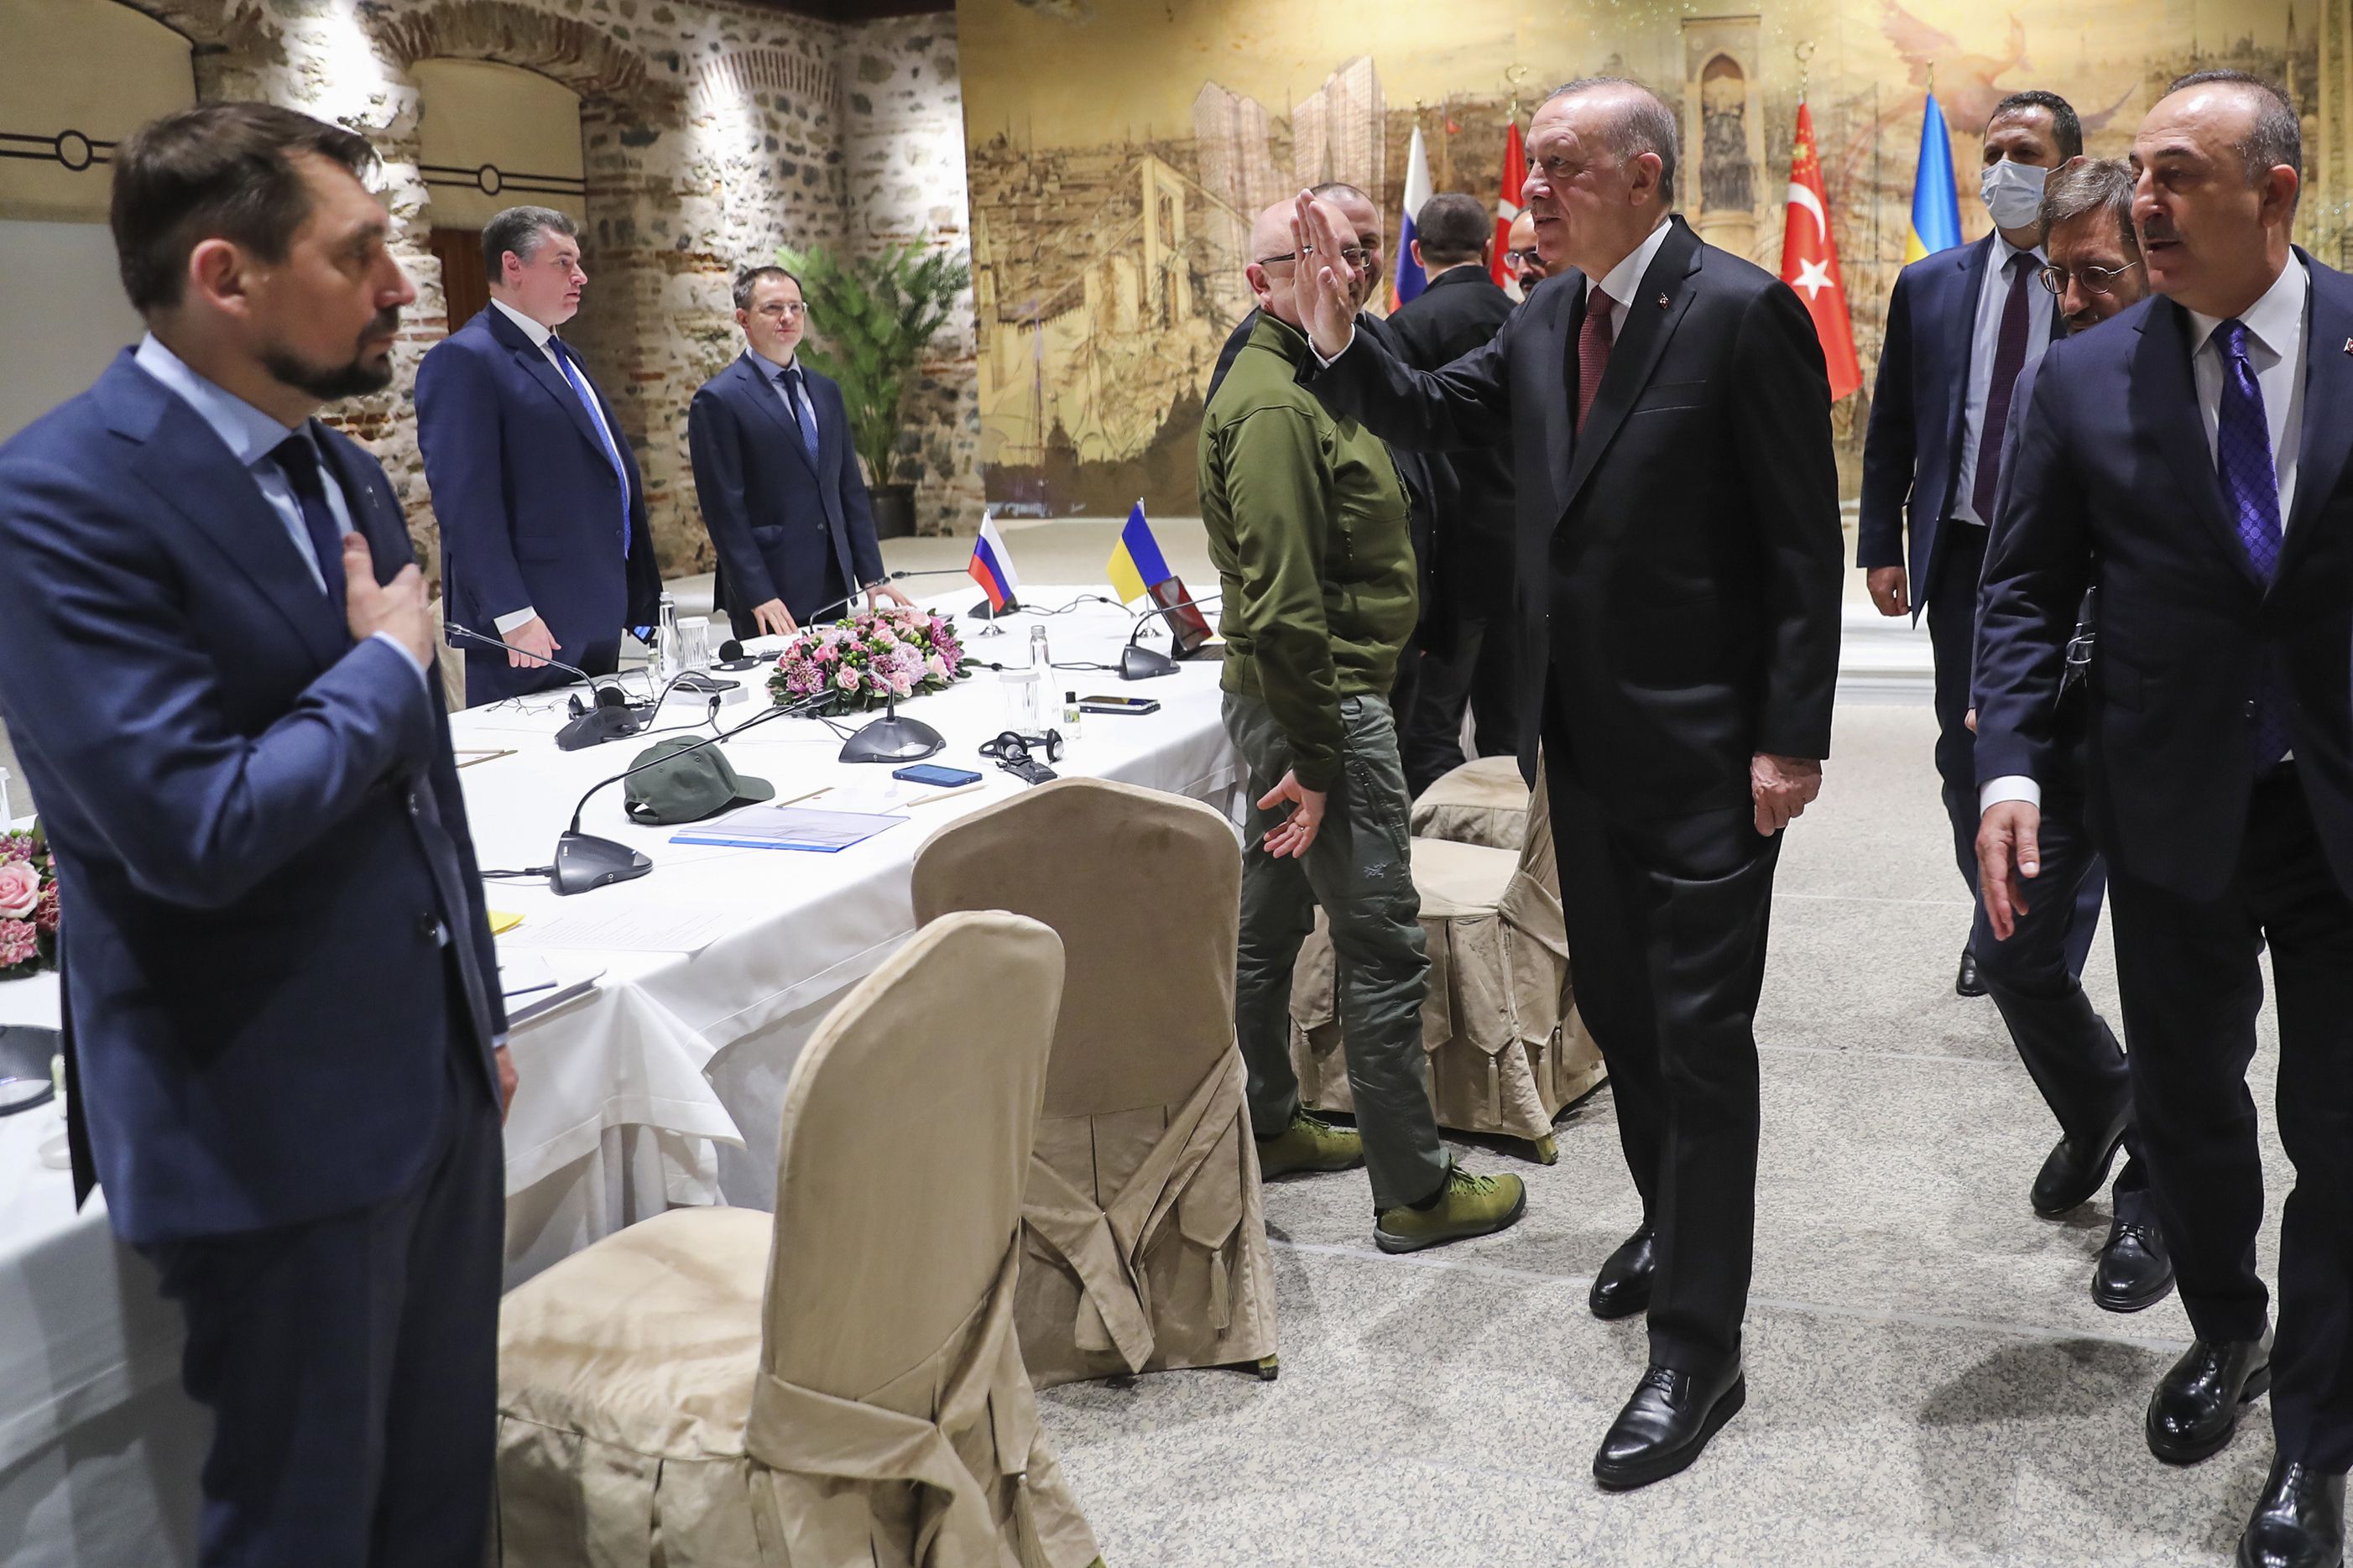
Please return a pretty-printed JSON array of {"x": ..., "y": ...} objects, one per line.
[
  {"x": 1507, "y": 205},
  {"x": 1810, "y": 260}
]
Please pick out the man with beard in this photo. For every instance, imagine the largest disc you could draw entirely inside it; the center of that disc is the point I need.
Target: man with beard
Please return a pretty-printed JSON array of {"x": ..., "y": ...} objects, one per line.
[
  {"x": 2094, "y": 270},
  {"x": 1521, "y": 255},
  {"x": 2192, "y": 455},
  {"x": 283, "y": 1040},
  {"x": 543, "y": 513}
]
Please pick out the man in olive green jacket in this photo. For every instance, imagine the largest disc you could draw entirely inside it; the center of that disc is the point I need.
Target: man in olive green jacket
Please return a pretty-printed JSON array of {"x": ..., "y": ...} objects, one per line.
[{"x": 1307, "y": 526}]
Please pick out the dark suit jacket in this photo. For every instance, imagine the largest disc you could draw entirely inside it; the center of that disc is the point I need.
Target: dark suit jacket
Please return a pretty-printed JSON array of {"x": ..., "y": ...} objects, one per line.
[
  {"x": 2115, "y": 468},
  {"x": 1679, "y": 560},
  {"x": 528, "y": 506},
  {"x": 1460, "y": 311},
  {"x": 1912, "y": 452},
  {"x": 1430, "y": 492},
  {"x": 779, "y": 520},
  {"x": 257, "y": 823}
]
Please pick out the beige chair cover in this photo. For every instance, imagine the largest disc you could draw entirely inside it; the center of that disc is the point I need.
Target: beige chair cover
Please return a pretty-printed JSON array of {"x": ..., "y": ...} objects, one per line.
[
  {"x": 1144, "y": 1237},
  {"x": 448, "y": 662},
  {"x": 1482, "y": 802},
  {"x": 840, "y": 1383},
  {"x": 1506, "y": 1049}
]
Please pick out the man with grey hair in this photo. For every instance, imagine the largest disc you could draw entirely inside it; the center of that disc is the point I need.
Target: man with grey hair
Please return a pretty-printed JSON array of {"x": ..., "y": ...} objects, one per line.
[
  {"x": 1677, "y": 552},
  {"x": 2191, "y": 455},
  {"x": 542, "y": 511}
]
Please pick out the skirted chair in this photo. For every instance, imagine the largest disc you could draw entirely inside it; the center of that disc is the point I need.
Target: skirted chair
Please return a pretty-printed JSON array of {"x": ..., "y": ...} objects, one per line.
[
  {"x": 1506, "y": 1049},
  {"x": 839, "y": 1383},
  {"x": 1143, "y": 1238},
  {"x": 1482, "y": 802}
]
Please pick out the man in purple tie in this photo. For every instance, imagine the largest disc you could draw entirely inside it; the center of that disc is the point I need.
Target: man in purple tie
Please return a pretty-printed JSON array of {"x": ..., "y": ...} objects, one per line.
[
  {"x": 2193, "y": 451},
  {"x": 1962, "y": 325}
]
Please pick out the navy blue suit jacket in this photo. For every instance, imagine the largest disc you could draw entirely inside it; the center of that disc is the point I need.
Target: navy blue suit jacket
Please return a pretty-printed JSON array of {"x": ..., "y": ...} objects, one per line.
[
  {"x": 528, "y": 506},
  {"x": 777, "y": 519},
  {"x": 2114, "y": 471},
  {"x": 1912, "y": 451},
  {"x": 259, "y": 834}
]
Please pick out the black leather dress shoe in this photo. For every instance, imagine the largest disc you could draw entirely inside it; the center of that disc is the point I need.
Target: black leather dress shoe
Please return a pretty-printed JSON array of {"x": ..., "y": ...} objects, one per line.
[
  {"x": 2076, "y": 1169},
  {"x": 1966, "y": 983},
  {"x": 2196, "y": 1406},
  {"x": 1622, "y": 1288},
  {"x": 2134, "y": 1271},
  {"x": 1667, "y": 1424},
  {"x": 2299, "y": 1521}
]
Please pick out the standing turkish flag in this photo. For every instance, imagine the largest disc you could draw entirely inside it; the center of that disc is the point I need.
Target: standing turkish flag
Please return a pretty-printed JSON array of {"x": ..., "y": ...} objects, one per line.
[
  {"x": 1507, "y": 205},
  {"x": 1810, "y": 260}
]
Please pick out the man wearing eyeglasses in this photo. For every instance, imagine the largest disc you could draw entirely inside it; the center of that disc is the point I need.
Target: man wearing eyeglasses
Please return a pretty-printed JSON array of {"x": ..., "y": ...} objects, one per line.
[
  {"x": 1961, "y": 326},
  {"x": 2095, "y": 271},
  {"x": 777, "y": 476},
  {"x": 1521, "y": 256}
]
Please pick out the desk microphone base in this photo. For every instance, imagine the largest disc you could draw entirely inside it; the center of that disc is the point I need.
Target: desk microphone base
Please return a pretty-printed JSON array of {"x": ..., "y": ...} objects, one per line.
[
  {"x": 583, "y": 861},
  {"x": 892, "y": 739}
]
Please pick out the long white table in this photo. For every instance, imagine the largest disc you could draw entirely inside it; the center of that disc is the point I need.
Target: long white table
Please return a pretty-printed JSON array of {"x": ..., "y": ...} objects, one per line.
[{"x": 663, "y": 1086}]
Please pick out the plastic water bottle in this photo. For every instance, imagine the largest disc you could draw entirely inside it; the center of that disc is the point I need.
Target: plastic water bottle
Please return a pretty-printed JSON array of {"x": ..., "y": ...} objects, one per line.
[
  {"x": 666, "y": 667},
  {"x": 1041, "y": 666}
]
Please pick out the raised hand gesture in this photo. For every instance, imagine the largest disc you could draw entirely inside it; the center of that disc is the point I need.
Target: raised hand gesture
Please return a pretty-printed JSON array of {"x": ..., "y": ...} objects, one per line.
[{"x": 1327, "y": 283}]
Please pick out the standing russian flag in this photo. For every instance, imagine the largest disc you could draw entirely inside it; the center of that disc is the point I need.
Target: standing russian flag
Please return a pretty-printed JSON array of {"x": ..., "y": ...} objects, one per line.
[
  {"x": 992, "y": 567},
  {"x": 1936, "y": 205},
  {"x": 1408, "y": 282},
  {"x": 1507, "y": 205}
]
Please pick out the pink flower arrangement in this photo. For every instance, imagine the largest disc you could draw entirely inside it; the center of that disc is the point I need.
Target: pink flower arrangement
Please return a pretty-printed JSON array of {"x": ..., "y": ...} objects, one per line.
[
  {"x": 865, "y": 660},
  {"x": 28, "y": 904}
]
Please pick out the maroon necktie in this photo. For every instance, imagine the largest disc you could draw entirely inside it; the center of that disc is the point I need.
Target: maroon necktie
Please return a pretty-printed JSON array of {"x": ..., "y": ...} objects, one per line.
[
  {"x": 1592, "y": 351},
  {"x": 2009, "y": 359}
]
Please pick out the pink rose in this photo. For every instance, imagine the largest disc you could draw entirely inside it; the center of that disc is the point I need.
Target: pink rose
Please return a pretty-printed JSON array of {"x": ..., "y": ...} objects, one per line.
[
  {"x": 20, "y": 890},
  {"x": 847, "y": 680},
  {"x": 17, "y": 943}
]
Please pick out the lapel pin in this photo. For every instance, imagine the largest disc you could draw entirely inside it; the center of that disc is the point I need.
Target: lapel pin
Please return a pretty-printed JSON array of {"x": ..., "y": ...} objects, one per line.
[{"x": 2348, "y": 344}]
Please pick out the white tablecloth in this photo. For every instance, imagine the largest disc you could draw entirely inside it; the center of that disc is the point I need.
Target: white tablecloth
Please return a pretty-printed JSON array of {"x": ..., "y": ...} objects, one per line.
[{"x": 663, "y": 1086}]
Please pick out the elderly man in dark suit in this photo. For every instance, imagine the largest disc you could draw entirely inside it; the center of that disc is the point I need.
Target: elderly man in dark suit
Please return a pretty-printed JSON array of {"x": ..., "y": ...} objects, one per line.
[
  {"x": 543, "y": 512},
  {"x": 2187, "y": 454},
  {"x": 279, "y": 979},
  {"x": 1459, "y": 310},
  {"x": 1962, "y": 326},
  {"x": 776, "y": 474},
  {"x": 1668, "y": 415}
]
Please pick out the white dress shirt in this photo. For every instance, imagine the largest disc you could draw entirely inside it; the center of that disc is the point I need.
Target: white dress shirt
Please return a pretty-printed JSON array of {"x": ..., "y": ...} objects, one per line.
[
  {"x": 1625, "y": 279},
  {"x": 1984, "y": 344},
  {"x": 251, "y": 436},
  {"x": 541, "y": 335},
  {"x": 2275, "y": 346}
]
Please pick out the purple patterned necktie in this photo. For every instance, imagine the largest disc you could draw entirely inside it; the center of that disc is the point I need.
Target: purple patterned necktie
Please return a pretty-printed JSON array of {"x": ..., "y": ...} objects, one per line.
[
  {"x": 2243, "y": 460},
  {"x": 2008, "y": 359}
]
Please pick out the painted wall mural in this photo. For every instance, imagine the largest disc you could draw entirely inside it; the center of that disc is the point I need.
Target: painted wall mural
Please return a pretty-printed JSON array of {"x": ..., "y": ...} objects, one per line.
[{"x": 1118, "y": 151}]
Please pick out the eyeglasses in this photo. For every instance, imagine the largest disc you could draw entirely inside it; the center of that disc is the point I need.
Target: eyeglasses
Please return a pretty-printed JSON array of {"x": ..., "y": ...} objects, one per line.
[
  {"x": 2098, "y": 279},
  {"x": 1352, "y": 255},
  {"x": 1519, "y": 258},
  {"x": 792, "y": 310}
]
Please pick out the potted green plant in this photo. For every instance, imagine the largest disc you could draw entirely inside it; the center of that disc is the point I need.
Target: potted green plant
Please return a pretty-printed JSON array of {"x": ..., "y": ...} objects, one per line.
[{"x": 871, "y": 319}]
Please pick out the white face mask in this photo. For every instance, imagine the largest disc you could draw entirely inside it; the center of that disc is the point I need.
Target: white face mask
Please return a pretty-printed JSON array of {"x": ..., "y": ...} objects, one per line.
[{"x": 2012, "y": 192}]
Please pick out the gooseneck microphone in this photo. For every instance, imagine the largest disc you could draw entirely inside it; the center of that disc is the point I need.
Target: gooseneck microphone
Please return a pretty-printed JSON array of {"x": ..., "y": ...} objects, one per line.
[
  {"x": 584, "y": 862},
  {"x": 610, "y": 718}
]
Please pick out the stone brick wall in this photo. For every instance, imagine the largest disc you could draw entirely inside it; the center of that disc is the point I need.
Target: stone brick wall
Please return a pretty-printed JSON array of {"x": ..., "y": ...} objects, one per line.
[{"x": 713, "y": 133}]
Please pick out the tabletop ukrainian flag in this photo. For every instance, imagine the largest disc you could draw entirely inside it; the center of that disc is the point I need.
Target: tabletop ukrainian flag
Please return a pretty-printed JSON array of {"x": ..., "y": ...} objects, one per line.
[
  {"x": 1935, "y": 209},
  {"x": 1136, "y": 564}
]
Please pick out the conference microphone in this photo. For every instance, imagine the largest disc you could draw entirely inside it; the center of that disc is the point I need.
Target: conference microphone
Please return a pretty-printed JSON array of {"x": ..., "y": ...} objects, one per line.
[
  {"x": 609, "y": 718},
  {"x": 584, "y": 862},
  {"x": 1137, "y": 662}
]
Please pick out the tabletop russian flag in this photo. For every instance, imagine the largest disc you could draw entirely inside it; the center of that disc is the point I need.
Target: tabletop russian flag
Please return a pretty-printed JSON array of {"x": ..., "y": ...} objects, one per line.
[
  {"x": 1136, "y": 564},
  {"x": 992, "y": 565}
]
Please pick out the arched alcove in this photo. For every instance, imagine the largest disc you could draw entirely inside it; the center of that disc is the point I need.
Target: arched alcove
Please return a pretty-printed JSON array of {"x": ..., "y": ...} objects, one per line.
[{"x": 490, "y": 136}]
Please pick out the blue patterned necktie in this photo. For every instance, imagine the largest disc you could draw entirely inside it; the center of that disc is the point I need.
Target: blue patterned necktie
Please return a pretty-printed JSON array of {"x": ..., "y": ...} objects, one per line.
[
  {"x": 796, "y": 400},
  {"x": 298, "y": 461},
  {"x": 2243, "y": 460},
  {"x": 571, "y": 373}
]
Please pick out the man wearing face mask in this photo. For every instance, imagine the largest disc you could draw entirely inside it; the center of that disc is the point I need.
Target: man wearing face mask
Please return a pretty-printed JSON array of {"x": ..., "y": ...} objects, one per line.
[{"x": 1961, "y": 327}]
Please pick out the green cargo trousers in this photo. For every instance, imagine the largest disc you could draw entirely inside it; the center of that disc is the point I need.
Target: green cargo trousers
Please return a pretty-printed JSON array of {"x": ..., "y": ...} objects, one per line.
[{"x": 1359, "y": 873}]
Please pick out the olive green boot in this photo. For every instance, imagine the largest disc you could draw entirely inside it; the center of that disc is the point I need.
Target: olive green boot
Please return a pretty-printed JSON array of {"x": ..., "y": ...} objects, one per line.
[
  {"x": 1467, "y": 1205},
  {"x": 1309, "y": 1143}
]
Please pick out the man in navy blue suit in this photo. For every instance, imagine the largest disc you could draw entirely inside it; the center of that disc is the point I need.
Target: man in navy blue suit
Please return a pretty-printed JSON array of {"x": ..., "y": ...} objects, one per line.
[
  {"x": 285, "y": 1042},
  {"x": 777, "y": 476},
  {"x": 2191, "y": 453},
  {"x": 1961, "y": 326},
  {"x": 543, "y": 513}
]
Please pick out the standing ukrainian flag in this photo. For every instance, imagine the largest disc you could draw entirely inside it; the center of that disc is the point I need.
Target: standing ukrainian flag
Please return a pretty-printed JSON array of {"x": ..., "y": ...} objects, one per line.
[
  {"x": 1408, "y": 282},
  {"x": 1136, "y": 564},
  {"x": 1936, "y": 208}
]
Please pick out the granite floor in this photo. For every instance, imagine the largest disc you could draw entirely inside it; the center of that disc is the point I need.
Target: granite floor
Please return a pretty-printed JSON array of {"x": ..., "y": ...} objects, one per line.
[{"x": 1929, "y": 1381}]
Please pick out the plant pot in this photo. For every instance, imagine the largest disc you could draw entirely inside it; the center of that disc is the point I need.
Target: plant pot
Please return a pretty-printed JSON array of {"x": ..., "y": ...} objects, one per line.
[{"x": 894, "y": 510}]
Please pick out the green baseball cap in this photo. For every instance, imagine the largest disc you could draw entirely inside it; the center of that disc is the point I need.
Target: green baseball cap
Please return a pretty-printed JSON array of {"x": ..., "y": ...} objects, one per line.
[{"x": 689, "y": 787}]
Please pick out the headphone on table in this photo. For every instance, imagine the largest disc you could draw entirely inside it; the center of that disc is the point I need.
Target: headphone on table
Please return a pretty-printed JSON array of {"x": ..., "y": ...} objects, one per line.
[{"x": 1011, "y": 751}]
